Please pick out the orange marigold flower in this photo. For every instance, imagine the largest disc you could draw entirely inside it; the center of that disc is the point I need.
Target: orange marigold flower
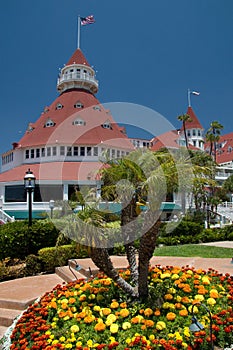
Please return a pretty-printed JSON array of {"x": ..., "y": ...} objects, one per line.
[
  {"x": 170, "y": 316},
  {"x": 106, "y": 311},
  {"x": 123, "y": 305},
  {"x": 157, "y": 312},
  {"x": 72, "y": 300},
  {"x": 114, "y": 304},
  {"x": 124, "y": 313},
  {"x": 168, "y": 296},
  {"x": 183, "y": 312},
  {"x": 99, "y": 327},
  {"x": 148, "y": 323},
  {"x": 148, "y": 312}
]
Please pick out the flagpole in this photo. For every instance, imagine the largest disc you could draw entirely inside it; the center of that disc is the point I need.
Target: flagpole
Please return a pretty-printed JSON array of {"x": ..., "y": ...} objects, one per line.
[
  {"x": 189, "y": 99},
  {"x": 79, "y": 30}
]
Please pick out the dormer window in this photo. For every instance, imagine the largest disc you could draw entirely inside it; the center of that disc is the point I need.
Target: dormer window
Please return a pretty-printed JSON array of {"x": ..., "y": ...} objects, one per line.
[
  {"x": 79, "y": 121},
  {"x": 59, "y": 106},
  {"x": 78, "y": 105},
  {"x": 97, "y": 108},
  {"x": 30, "y": 127},
  {"x": 107, "y": 125},
  {"x": 49, "y": 123}
]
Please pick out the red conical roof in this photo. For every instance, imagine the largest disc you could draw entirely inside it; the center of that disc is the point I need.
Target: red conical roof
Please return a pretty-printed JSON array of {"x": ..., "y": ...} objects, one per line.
[
  {"x": 194, "y": 124},
  {"x": 78, "y": 58}
]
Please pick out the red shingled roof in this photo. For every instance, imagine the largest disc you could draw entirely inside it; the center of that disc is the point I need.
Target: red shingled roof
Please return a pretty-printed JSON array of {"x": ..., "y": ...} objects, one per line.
[
  {"x": 168, "y": 140},
  {"x": 59, "y": 171},
  {"x": 194, "y": 124},
  {"x": 78, "y": 58},
  {"x": 64, "y": 132},
  {"x": 225, "y": 152}
]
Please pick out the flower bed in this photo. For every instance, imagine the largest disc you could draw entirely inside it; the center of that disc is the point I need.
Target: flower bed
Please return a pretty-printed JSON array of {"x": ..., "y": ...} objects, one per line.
[{"x": 97, "y": 315}]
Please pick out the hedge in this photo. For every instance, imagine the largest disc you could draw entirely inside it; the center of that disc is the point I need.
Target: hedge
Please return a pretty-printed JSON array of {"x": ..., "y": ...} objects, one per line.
[{"x": 17, "y": 240}]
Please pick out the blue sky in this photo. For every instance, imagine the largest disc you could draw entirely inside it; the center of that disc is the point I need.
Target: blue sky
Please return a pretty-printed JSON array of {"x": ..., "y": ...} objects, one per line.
[{"x": 147, "y": 53}]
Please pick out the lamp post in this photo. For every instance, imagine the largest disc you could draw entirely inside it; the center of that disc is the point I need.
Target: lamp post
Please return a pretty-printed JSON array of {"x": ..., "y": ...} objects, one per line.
[
  {"x": 197, "y": 326},
  {"x": 29, "y": 185},
  {"x": 51, "y": 206}
]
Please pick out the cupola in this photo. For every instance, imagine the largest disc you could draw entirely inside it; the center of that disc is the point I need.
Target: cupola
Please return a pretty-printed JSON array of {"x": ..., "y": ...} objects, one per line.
[{"x": 77, "y": 74}]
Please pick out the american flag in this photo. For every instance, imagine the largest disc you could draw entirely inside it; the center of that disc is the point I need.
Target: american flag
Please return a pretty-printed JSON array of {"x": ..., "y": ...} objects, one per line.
[{"x": 87, "y": 20}]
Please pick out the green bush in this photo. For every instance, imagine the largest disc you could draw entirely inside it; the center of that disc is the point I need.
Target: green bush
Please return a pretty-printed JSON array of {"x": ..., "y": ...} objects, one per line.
[
  {"x": 17, "y": 240},
  {"x": 184, "y": 228},
  {"x": 33, "y": 265},
  {"x": 56, "y": 256}
]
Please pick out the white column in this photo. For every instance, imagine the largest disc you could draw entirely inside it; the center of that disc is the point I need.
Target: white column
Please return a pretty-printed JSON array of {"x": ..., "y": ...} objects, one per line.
[{"x": 65, "y": 192}]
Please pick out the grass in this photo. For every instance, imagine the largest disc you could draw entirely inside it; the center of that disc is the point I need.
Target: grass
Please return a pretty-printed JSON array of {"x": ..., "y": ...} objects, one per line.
[{"x": 196, "y": 250}]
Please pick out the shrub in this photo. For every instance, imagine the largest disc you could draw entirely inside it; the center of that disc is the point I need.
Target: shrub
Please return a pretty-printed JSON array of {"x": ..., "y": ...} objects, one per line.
[
  {"x": 17, "y": 240},
  {"x": 33, "y": 265},
  {"x": 56, "y": 256}
]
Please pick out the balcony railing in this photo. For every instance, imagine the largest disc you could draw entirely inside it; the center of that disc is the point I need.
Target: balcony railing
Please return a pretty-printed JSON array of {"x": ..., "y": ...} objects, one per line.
[{"x": 77, "y": 77}]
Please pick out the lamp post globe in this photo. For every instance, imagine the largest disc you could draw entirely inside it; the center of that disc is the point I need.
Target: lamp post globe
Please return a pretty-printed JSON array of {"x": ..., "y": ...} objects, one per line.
[{"x": 29, "y": 185}]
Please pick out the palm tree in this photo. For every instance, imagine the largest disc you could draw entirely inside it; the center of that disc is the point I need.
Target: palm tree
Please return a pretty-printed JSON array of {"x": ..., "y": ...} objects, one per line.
[
  {"x": 185, "y": 118},
  {"x": 213, "y": 136}
]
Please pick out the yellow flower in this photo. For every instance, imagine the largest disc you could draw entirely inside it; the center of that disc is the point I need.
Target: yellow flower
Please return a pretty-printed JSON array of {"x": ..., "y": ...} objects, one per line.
[
  {"x": 205, "y": 280},
  {"x": 112, "y": 339},
  {"x": 152, "y": 337},
  {"x": 186, "y": 331},
  {"x": 214, "y": 293},
  {"x": 97, "y": 308},
  {"x": 175, "y": 276},
  {"x": 90, "y": 343},
  {"x": 126, "y": 325},
  {"x": 114, "y": 328},
  {"x": 165, "y": 275},
  {"x": 211, "y": 301},
  {"x": 160, "y": 325},
  {"x": 105, "y": 311},
  {"x": 55, "y": 342},
  {"x": 128, "y": 340},
  {"x": 178, "y": 336},
  {"x": 110, "y": 319},
  {"x": 199, "y": 297},
  {"x": 78, "y": 344},
  {"x": 195, "y": 309},
  {"x": 74, "y": 328},
  {"x": 68, "y": 346},
  {"x": 62, "y": 339}
]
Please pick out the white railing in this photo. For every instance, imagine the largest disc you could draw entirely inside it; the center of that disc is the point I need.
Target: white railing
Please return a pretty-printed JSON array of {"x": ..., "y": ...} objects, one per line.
[
  {"x": 77, "y": 77},
  {"x": 226, "y": 209},
  {"x": 4, "y": 217}
]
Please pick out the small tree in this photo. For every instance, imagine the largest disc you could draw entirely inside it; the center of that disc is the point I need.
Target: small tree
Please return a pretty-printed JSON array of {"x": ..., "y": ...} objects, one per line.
[{"x": 184, "y": 118}]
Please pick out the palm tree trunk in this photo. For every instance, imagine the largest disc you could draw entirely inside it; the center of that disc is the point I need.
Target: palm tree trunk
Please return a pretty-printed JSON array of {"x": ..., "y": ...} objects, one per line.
[
  {"x": 129, "y": 228},
  {"x": 102, "y": 260},
  {"x": 146, "y": 250},
  {"x": 185, "y": 135}
]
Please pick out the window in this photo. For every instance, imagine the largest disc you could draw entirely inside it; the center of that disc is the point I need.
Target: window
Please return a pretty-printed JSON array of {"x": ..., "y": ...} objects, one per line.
[
  {"x": 27, "y": 154},
  {"x": 107, "y": 125},
  {"x": 37, "y": 153},
  {"x": 48, "y": 151},
  {"x": 69, "y": 151},
  {"x": 188, "y": 133},
  {"x": 118, "y": 153},
  {"x": 49, "y": 123},
  {"x": 113, "y": 153},
  {"x": 75, "y": 151},
  {"x": 79, "y": 121},
  {"x": 95, "y": 152},
  {"x": 82, "y": 151},
  {"x": 78, "y": 105},
  {"x": 194, "y": 132},
  {"x": 32, "y": 153},
  {"x": 97, "y": 108},
  {"x": 88, "y": 151},
  {"x": 54, "y": 150},
  {"x": 62, "y": 150},
  {"x": 43, "y": 152},
  {"x": 199, "y": 132},
  {"x": 59, "y": 106}
]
